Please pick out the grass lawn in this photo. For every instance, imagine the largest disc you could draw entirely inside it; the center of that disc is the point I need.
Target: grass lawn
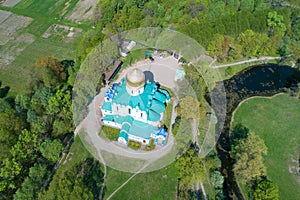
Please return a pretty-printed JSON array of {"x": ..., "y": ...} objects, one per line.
[
  {"x": 276, "y": 121},
  {"x": 168, "y": 114},
  {"x": 161, "y": 184},
  {"x": 110, "y": 133}
]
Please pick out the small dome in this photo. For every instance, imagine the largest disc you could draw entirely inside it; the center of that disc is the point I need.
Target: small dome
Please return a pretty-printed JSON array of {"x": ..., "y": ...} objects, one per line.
[{"x": 135, "y": 78}]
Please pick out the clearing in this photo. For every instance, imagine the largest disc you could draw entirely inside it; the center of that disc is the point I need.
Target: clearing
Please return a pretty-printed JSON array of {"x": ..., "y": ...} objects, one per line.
[{"x": 276, "y": 121}]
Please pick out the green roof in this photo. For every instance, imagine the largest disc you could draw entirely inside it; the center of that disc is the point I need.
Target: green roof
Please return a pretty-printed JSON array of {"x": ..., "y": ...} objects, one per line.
[
  {"x": 109, "y": 118},
  {"x": 142, "y": 129},
  {"x": 107, "y": 106},
  {"x": 153, "y": 116},
  {"x": 160, "y": 96},
  {"x": 165, "y": 92},
  {"x": 157, "y": 106},
  {"x": 142, "y": 101},
  {"x": 124, "y": 135}
]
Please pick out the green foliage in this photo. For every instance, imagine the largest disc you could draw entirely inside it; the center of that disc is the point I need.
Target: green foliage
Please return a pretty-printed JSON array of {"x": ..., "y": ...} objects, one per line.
[
  {"x": 81, "y": 181},
  {"x": 238, "y": 132},
  {"x": 275, "y": 24},
  {"x": 60, "y": 109},
  {"x": 217, "y": 179},
  {"x": 134, "y": 145},
  {"x": 23, "y": 154},
  {"x": 175, "y": 126},
  {"x": 51, "y": 150},
  {"x": 266, "y": 190},
  {"x": 52, "y": 69},
  {"x": 248, "y": 153},
  {"x": 128, "y": 18},
  {"x": 190, "y": 168},
  {"x": 10, "y": 128},
  {"x": 110, "y": 133},
  {"x": 189, "y": 108},
  {"x": 32, "y": 184}
]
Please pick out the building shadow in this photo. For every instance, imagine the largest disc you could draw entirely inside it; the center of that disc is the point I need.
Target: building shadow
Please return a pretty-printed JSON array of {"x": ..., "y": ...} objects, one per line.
[{"x": 149, "y": 76}]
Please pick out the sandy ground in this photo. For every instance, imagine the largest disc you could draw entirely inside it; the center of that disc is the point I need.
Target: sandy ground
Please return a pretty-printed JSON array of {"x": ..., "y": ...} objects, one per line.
[
  {"x": 10, "y": 3},
  {"x": 83, "y": 10}
]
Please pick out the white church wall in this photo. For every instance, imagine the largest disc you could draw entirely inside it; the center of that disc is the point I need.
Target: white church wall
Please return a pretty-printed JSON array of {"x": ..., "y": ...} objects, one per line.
[
  {"x": 138, "y": 139},
  {"x": 134, "y": 91},
  {"x": 112, "y": 124},
  {"x": 106, "y": 112}
]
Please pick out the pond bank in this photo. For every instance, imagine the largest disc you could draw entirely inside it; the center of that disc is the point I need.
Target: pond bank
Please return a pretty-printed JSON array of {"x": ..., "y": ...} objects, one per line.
[{"x": 261, "y": 80}]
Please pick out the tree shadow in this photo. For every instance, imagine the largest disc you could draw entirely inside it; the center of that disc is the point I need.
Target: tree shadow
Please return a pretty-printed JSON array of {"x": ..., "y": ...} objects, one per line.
[
  {"x": 4, "y": 91},
  {"x": 238, "y": 132}
]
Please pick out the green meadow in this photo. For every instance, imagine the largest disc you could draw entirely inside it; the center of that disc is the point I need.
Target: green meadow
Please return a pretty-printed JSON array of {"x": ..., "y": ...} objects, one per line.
[{"x": 276, "y": 121}]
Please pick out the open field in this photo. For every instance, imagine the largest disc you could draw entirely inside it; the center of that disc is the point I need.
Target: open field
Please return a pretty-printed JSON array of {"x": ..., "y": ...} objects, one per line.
[
  {"x": 83, "y": 10},
  {"x": 10, "y": 3},
  {"x": 22, "y": 28},
  {"x": 276, "y": 121},
  {"x": 161, "y": 184}
]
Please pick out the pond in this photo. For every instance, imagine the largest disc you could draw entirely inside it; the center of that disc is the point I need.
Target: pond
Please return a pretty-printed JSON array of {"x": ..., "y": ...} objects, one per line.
[{"x": 259, "y": 80}]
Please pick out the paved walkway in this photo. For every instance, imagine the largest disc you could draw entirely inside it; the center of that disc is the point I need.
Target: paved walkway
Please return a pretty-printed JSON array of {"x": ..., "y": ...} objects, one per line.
[{"x": 245, "y": 61}]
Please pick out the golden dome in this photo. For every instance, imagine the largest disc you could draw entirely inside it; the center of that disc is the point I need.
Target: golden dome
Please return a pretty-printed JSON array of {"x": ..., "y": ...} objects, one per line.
[{"x": 135, "y": 78}]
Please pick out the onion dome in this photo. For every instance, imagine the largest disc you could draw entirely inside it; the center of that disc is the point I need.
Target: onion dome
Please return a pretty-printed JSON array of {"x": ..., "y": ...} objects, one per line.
[{"x": 135, "y": 78}]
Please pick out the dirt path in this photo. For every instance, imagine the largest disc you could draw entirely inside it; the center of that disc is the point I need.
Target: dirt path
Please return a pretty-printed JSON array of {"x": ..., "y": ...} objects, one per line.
[{"x": 131, "y": 177}]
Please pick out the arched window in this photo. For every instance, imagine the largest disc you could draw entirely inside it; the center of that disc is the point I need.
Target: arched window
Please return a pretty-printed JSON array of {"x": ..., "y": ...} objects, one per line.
[{"x": 129, "y": 111}]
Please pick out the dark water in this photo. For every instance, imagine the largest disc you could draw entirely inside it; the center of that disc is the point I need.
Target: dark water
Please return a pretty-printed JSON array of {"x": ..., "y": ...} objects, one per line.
[{"x": 261, "y": 80}]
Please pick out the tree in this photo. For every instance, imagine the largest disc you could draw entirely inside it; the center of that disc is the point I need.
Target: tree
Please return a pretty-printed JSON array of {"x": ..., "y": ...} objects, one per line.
[
  {"x": 247, "y": 5},
  {"x": 189, "y": 108},
  {"x": 81, "y": 181},
  {"x": 33, "y": 183},
  {"x": 23, "y": 154},
  {"x": 275, "y": 24},
  {"x": 190, "y": 168},
  {"x": 51, "y": 149},
  {"x": 248, "y": 153},
  {"x": 216, "y": 9},
  {"x": 59, "y": 109},
  {"x": 52, "y": 69},
  {"x": 10, "y": 127},
  {"x": 266, "y": 190},
  {"x": 191, "y": 171},
  {"x": 217, "y": 179}
]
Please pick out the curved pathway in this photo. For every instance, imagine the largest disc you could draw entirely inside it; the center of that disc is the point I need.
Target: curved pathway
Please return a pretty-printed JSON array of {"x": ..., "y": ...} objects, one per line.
[{"x": 164, "y": 71}]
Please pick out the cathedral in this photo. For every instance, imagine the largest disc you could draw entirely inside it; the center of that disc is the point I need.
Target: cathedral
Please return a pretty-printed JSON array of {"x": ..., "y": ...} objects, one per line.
[{"x": 136, "y": 107}]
